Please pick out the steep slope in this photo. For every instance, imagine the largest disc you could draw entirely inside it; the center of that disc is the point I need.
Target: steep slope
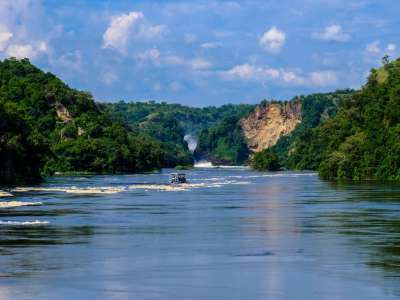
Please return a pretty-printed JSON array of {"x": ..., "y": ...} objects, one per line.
[
  {"x": 314, "y": 109},
  {"x": 269, "y": 121}
]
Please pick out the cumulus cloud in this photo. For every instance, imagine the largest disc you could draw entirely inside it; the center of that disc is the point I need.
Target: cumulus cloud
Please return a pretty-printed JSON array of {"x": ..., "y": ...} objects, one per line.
[
  {"x": 190, "y": 38},
  {"x": 5, "y": 37},
  {"x": 374, "y": 50},
  {"x": 152, "y": 55},
  {"x": 273, "y": 40},
  {"x": 373, "y": 47},
  {"x": 210, "y": 45},
  {"x": 26, "y": 50},
  {"x": 70, "y": 60},
  {"x": 21, "y": 33},
  {"x": 200, "y": 64},
  {"x": 176, "y": 86},
  {"x": 391, "y": 47},
  {"x": 197, "y": 63},
  {"x": 109, "y": 77},
  {"x": 333, "y": 33},
  {"x": 129, "y": 26},
  {"x": 281, "y": 76}
]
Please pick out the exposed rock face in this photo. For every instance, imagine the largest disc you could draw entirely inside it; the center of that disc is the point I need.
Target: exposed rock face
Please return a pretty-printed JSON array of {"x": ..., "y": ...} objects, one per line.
[
  {"x": 268, "y": 122},
  {"x": 63, "y": 113}
]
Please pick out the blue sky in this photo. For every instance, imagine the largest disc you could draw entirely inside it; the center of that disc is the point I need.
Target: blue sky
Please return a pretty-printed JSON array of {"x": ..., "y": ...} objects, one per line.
[{"x": 202, "y": 52}]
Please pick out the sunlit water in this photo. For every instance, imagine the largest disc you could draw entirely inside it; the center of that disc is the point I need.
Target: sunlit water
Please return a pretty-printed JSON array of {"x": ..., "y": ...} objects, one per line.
[{"x": 228, "y": 234}]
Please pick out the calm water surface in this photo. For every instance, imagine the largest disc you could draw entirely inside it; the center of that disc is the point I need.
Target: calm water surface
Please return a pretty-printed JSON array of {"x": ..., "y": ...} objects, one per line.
[{"x": 229, "y": 234}]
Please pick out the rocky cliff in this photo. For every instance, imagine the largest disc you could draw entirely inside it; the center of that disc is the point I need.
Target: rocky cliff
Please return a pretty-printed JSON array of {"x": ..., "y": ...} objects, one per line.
[{"x": 269, "y": 121}]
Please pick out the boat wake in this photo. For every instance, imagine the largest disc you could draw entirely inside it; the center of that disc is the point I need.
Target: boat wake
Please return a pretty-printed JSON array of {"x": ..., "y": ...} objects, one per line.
[
  {"x": 25, "y": 223},
  {"x": 11, "y": 204},
  {"x": 5, "y": 194},
  {"x": 71, "y": 190}
]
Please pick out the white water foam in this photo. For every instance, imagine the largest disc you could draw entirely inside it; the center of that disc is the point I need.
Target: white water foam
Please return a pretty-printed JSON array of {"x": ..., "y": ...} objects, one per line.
[
  {"x": 10, "y": 204},
  {"x": 5, "y": 194},
  {"x": 203, "y": 164},
  {"x": 26, "y": 223},
  {"x": 72, "y": 190},
  {"x": 185, "y": 186}
]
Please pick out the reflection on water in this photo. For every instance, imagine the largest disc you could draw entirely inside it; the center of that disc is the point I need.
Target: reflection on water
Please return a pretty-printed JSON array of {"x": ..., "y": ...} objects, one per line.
[{"x": 229, "y": 234}]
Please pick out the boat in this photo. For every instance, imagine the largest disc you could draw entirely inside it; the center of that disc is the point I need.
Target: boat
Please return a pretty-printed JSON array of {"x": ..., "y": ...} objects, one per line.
[{"x": 178, "y": 178}]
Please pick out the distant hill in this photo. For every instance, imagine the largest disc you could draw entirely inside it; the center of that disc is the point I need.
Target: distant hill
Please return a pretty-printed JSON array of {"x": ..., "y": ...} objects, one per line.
[{"x": 171, "y": 122}]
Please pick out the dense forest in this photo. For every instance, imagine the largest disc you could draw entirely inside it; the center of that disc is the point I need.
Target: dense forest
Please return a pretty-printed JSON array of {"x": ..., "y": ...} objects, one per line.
[{"x": 47, "y": 127}]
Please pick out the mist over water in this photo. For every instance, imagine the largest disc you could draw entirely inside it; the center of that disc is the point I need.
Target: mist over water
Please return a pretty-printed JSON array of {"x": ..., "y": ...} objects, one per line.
[
  {"x": 191, "y": 141},
  {"x": 228, "y": 234}
]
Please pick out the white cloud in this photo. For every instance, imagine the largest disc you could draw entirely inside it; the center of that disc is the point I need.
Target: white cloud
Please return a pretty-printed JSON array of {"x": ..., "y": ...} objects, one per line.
[
  {"x": 70, "y": 60},
  {"x": 26, "y": 50},
  {"x": 322, "y": 78},
  {"x": 21, "y": 29},
  {"x": 273, "y": 40},
  {"x": 333, "y": 33},
  {"x": 195, "y": 63},
  {"x": 109, "y": 77},
  {"x": 129, "y": 26},
  {"x": 210, "y": 45},
  {"x": 200, "y": 64},
  {"x": 281, "y": 76},
  {"x": 5, "y": 37},
  {"x": 149, "y": 55},
  {"x": 391, "y": 47},
  {"x": 119, "y": 30},
  {"x": 190, "y": 38},
  {"x": 156, "y": 87},
  {"x": 176, "y": 86},
  {"x": 174, "y": 60},
  {"x": 374, "y": 49}
]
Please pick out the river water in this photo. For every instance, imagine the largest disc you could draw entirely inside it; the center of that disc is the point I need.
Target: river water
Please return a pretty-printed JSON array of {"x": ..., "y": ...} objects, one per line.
[{"x": 229, "y": 234}]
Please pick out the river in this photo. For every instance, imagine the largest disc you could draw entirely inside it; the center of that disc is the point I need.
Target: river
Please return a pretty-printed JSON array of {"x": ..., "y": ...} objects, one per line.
[{"x": 231, "y": 233}]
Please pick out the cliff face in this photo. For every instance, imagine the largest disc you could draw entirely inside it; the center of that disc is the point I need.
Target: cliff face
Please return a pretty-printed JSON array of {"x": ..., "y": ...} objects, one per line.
[{"x": 268, "y": 122}]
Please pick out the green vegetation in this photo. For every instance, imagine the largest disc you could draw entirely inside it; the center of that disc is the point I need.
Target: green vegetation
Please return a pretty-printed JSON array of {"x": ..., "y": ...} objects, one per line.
[
  {"x": 47, "y": 127},
  {"x": 362, "y": 140},
  {"x": 220, "y": 137},
  {"x": 265, "y": 160},
  {"x": 223, "y": 143},
  {"x": 192, "y": 119}
]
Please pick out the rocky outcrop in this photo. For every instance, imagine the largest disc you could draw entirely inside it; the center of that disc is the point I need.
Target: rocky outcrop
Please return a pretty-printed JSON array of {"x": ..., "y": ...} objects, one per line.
[
  {"x": 269, "y": 121},
  {"x": 63, "y": 113}
]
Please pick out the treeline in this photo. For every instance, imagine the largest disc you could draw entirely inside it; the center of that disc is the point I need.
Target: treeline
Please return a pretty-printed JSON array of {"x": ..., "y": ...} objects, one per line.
[{"x": 47, "y": 127}]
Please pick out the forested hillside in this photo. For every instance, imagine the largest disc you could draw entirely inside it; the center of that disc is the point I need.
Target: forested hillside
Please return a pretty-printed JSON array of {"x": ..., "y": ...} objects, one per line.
[
  {"x": 363, "y": 140},
  {"x": 47, "y": 127}
]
